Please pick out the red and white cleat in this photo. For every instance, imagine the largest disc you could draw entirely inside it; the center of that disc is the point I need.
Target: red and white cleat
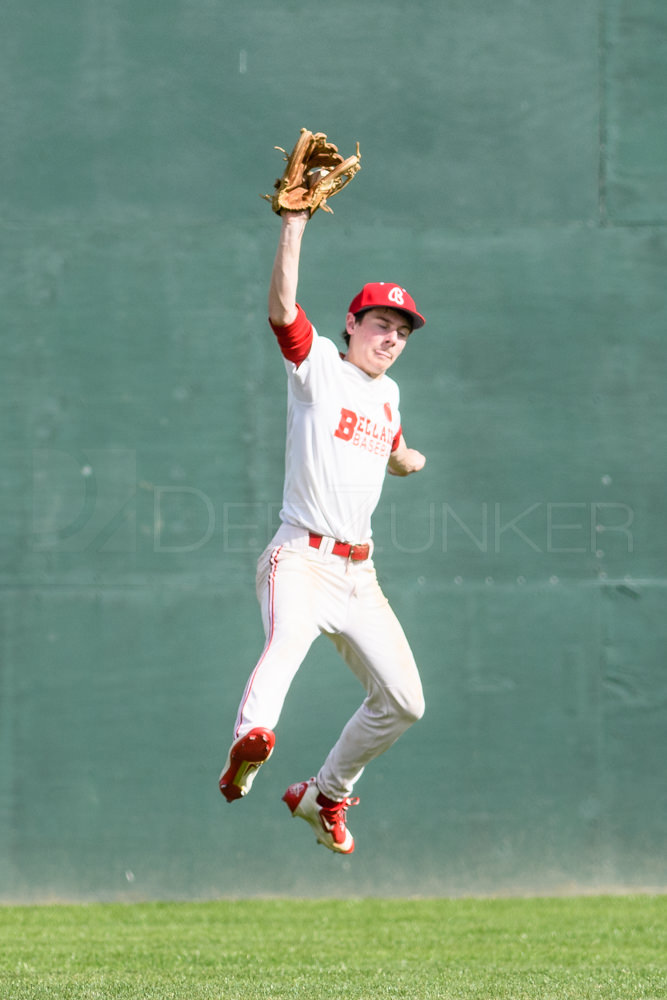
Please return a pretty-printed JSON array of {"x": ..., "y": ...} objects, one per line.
[
  {"x": 244, "y": 760},
  {"x": 326, "y": 817}
]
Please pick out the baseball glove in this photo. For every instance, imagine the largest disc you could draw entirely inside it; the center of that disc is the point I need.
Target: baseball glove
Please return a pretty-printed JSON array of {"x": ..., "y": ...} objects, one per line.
[{"x": 315, "y": 171}]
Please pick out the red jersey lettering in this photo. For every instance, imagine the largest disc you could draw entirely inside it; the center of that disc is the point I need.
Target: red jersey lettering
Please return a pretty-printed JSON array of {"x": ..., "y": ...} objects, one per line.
[
  {"x": 348, "y": 421},
  {"x": 365, "y": 433}
]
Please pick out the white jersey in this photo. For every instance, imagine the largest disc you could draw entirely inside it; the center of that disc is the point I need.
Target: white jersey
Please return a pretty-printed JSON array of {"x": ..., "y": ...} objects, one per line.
[{"x": 342, "y": 425}]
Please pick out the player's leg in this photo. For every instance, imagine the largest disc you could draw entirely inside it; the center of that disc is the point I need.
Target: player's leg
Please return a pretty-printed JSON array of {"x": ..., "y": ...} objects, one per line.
[
  {"x": 284, "y": 592},
  {"x": 376, "y": 649}
]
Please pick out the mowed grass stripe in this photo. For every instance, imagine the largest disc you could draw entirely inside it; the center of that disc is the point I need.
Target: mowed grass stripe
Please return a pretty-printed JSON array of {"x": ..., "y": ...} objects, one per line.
[{"x": 607, "y": 948}]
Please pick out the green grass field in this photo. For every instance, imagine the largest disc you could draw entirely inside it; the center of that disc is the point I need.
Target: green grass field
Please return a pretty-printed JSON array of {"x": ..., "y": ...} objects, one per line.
[{"x": 607, "y": 948}]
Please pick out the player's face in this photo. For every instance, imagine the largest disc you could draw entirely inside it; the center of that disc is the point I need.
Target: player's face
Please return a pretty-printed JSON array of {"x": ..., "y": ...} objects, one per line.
[{"x": 376, "y": 339}]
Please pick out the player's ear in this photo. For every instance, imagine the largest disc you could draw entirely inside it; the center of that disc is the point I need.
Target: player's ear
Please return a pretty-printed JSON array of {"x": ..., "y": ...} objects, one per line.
[{"x": 350, "y": 323}]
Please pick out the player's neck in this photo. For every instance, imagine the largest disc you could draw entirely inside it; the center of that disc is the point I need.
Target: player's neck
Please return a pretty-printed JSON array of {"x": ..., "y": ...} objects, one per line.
[
  {"x": 365, "y": 368},
  {"x": 361, "y": 368}
]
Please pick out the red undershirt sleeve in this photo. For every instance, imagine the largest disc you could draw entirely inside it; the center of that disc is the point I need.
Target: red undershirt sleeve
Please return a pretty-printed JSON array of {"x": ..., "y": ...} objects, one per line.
[
  {"x": 395, "y": 443},
  {"x": 296, "y": 338}
]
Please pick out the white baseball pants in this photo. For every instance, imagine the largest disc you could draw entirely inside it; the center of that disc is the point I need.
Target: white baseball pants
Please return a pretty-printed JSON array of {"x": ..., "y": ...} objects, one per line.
[{"x": 304, "y": 592}]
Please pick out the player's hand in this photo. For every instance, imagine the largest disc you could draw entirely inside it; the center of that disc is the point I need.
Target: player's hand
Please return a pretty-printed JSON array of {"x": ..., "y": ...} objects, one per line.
[{"x": 405, "y": 461}]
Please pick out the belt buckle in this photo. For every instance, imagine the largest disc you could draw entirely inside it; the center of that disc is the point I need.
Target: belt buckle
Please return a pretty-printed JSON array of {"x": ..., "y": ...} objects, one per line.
[{"x": 358, "y": 552}]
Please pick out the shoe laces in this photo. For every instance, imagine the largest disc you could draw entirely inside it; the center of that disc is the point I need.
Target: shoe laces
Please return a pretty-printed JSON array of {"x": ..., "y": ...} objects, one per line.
[{"x": 335, "y": 813}]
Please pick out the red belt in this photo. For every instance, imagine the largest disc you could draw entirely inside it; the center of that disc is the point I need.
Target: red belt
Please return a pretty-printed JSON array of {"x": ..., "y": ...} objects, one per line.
[{"x": 357, "y": 553}]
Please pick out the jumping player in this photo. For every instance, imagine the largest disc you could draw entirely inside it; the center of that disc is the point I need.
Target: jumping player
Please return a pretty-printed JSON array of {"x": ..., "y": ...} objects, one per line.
[{"x": 317, "y": 576}]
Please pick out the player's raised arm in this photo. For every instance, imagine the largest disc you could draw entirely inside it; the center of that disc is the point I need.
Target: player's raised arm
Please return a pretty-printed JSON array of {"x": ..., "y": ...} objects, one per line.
[
  {"x": 404, "y": 460},
  {"x": 314, "y": 172},
  {"x": 285, "y": 273}
]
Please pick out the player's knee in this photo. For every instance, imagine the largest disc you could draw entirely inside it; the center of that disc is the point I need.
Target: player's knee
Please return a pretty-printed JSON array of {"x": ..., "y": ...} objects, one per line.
[
  {"x": 415, "y": 708},
  {"x": 409, "y": 704}
]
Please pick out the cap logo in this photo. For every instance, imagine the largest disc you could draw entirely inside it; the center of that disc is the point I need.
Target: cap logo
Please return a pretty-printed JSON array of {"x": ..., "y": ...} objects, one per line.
[{"x": 396, "y": 295}]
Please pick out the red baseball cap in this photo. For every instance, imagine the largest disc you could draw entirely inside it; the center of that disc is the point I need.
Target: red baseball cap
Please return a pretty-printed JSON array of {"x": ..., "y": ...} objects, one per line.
[{"x": 383, "y": 293}]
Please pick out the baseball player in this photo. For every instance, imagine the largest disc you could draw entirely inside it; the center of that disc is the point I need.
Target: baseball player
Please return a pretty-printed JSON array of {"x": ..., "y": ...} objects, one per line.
[{"x": 316, "y": 576}]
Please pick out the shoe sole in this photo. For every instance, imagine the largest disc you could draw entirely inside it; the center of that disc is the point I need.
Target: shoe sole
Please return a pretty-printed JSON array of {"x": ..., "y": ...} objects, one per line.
[{"x": 246, "y": 757}]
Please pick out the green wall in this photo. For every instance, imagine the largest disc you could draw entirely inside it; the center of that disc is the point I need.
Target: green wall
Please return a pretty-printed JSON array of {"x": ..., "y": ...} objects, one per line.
[{"x": 514, "y": 180}]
